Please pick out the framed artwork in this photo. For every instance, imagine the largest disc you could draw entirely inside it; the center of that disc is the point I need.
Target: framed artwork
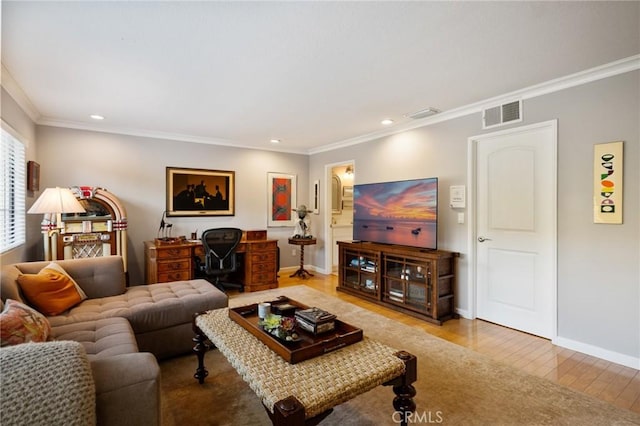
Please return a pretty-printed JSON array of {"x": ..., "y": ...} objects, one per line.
[
  {"x": 33, "y": 176},
  {"x": 198, "y": 192},
  {"x": 347, "y": 192},
  {"x": 607, "y": 182},
  {"x": 316, "y": 197},
  {"x": 282, "y": 199}
]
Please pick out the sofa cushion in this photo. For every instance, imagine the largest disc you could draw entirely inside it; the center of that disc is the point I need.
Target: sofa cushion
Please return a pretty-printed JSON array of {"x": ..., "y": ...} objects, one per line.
[
  {"x": 98, "y": 276},
  {"x": 20, "y": 323},
  {"x": 128, "y": 390},
  {"x": 9, "y": 288},
  {"x": 57, "y": 267},
  {"x": 150, "y": 307},
  {"x": 101, "y": 338},
  {"x": 52, "y": 291}
]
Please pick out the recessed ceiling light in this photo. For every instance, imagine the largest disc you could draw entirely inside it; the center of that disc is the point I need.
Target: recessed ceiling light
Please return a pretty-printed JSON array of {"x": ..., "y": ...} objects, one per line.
[
  {"x": 275, "y": 141},
  {"x": 386, "y": 121},
  {"x": 97, "y": 117}
]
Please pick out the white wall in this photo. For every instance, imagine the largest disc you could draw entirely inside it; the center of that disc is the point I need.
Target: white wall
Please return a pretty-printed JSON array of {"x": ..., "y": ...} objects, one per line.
[
  {"x": 435, "y": 151},
  {"x": 133, "y": 168},
  {"x": 598, "y": 265}
]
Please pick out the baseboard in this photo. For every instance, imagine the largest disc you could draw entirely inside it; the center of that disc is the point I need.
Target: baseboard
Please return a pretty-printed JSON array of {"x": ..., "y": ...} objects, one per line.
[
  {"x": 464, "y": 313},
  {"x": 618, "y": 358},
  {"x": 292, "y": 269},
  {"x": 318, "y": 270}
]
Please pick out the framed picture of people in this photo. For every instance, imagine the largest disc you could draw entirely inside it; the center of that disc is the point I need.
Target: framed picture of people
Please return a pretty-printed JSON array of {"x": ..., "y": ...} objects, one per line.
[{"x": 199, "y": 192}]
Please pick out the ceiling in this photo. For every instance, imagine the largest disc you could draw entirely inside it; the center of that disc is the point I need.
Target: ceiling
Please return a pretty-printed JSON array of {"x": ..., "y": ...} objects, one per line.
[{"x": 308, "y": 73}]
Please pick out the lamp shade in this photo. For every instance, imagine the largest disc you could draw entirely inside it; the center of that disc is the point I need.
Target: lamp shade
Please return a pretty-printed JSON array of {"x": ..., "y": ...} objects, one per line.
[{"x": 56, "y": 200}]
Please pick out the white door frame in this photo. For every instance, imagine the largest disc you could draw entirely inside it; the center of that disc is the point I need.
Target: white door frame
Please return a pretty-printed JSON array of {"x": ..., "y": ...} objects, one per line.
[
  {"x": 472, "y": 228},
  {"x": 328, "y": 249}
]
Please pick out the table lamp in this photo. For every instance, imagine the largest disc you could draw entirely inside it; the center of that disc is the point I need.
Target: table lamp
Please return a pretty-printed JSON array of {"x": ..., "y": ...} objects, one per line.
[{"x": 52, "y": 203}]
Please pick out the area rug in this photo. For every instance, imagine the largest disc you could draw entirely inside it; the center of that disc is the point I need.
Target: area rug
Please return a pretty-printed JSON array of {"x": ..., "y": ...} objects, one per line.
[{"x": 455, "y": 386}]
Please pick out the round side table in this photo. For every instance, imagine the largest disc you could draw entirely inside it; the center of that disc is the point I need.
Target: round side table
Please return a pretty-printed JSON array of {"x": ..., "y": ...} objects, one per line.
[{"x": 301, "y": 272}]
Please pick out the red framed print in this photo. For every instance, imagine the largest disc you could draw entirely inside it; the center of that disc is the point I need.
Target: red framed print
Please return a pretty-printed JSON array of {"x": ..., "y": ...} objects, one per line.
[{"x": 282, "y": 199}]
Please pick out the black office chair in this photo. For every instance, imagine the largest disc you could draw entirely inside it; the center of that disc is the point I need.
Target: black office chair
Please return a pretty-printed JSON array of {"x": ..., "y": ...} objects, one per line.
[{"x": 220, "y": 254}]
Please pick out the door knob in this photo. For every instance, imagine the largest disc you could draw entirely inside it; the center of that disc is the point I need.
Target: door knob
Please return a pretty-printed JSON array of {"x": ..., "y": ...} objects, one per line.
[{"x": 483, "y": 239}]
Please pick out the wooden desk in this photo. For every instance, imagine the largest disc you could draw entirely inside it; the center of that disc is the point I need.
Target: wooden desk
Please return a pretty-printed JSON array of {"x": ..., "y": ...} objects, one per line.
[{"x": 175, "y": 262}]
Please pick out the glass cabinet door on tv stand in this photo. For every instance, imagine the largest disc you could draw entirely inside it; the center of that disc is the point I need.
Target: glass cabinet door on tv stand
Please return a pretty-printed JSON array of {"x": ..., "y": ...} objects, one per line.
[
  {"x": 408, "y": 283},
  {"x": 359, "y": 271}
]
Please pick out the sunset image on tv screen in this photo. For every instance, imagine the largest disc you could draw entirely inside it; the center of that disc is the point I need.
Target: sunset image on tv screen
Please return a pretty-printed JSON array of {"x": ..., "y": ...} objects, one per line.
[{"x": 402, "y": 212}]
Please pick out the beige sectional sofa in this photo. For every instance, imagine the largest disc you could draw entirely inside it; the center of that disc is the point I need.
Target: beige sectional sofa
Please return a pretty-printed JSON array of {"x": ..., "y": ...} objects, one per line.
[{"x": 118, "y": 325}]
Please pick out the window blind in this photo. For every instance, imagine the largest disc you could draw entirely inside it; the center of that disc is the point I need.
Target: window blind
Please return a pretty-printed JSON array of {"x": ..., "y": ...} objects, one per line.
[{"x": 12, "y": 192}]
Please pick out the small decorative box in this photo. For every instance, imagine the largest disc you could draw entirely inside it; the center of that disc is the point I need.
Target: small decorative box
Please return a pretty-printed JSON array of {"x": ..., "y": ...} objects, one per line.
[
  {"x": 314, "y": 320},
  {"x": 284, "y": 309}
]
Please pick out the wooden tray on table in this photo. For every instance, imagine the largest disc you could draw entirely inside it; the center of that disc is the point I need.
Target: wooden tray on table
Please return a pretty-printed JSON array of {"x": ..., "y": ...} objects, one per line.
[{"x": 308, "y": 345}]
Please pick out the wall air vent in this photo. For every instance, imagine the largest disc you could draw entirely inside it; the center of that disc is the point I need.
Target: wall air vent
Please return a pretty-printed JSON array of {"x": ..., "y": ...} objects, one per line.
[{"x": 510, "y": 112}]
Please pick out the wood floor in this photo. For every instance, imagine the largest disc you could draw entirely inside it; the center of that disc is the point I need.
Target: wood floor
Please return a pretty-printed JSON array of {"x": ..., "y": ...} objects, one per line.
[{"x": 601, "y": 379}]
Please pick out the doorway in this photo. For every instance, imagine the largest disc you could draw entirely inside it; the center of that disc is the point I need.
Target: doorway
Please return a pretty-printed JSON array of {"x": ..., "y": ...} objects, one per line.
[
  {"x": 339, "y": 214},
  {"x": 513, "y": 241}
]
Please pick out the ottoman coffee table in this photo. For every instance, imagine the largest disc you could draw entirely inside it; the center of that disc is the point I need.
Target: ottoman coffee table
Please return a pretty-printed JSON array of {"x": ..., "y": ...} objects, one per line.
[{"x": 305, "y": 391}]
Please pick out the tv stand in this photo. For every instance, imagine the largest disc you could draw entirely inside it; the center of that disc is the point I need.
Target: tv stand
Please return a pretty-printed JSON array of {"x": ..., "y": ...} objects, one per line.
[{"x": 418, "y": 282}]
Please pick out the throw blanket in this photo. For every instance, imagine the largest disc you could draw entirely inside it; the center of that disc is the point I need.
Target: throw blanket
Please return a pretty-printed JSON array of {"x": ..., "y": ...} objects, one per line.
[{"x": 46, "y": 384}]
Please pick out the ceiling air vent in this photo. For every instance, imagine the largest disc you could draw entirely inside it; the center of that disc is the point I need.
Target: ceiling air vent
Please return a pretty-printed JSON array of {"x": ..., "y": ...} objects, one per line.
[
  {"x": 423, "y": 113},
  {"x": 499, "y": 115}
]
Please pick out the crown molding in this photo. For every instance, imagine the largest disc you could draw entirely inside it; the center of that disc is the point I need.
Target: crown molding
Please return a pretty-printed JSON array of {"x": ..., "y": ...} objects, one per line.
[
  {"x": 611, "y": 69},
  {"x": 47, "y": 121},
  {"x": 632, "y": 63},
  {"x": 13, "y": 88}
]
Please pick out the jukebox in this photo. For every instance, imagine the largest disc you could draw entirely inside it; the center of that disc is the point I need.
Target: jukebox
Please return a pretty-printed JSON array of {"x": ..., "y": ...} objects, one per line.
[{"x": 100, "y": 231}]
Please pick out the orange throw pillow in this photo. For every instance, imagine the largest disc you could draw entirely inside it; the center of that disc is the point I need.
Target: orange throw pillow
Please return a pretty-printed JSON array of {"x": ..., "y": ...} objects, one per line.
[{"x": 50, "y": 291}]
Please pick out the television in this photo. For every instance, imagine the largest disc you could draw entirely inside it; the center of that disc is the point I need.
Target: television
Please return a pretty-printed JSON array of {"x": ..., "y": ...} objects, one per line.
[{"x": 401, "y": 212}]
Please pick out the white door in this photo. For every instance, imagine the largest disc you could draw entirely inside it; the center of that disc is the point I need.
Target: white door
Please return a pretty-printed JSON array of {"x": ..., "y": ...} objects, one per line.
[{"x": 516, "y": 228}]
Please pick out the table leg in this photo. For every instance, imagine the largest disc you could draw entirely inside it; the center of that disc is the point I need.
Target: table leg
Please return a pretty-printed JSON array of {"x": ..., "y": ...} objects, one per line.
[
  {"x": 301, "y": 272},
  {"x": 200, "y": 348},
  {"x": 290, "y": 412},
  {"x": 403, "y": 388},
  {"x": 287, "y": 412}
]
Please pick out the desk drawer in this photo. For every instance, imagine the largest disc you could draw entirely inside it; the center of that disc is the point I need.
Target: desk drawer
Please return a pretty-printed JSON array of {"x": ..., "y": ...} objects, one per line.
[
  {"x": 261, "y": 268},
  {"x": 266, "y": 256},
  {"x": 267, "y": 245},
  {"x": 178, "y": 265},
  {"x": 173, "y": 253},
  {"x": 263, "y": 278},
  {"x": 165, "y": 277}
]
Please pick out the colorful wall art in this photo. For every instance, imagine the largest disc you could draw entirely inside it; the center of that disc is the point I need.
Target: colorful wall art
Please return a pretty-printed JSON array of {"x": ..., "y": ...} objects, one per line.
[{"x": 607, "y": 182}]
